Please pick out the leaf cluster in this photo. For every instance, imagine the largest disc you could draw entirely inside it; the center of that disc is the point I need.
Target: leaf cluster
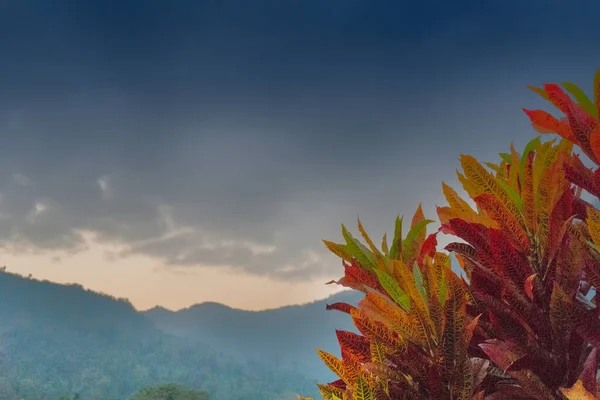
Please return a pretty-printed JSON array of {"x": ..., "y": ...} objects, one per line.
[{"x": 522, "y": 319}]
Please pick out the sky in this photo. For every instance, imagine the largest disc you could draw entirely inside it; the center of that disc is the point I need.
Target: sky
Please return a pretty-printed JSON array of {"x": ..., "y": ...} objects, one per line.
[{"x": 177, "y": 152}]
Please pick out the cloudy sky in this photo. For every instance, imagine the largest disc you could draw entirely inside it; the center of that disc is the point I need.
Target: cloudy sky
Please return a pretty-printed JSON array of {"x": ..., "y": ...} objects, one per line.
[{"x": 174, "y": 152}]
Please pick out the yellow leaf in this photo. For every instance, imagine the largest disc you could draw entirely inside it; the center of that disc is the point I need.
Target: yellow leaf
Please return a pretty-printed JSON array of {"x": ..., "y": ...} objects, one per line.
[
  {"x": 339, "y": 250},
  {"x": 545, "y": 156},
  {"x": 484, "y": 182},
  {"x": 593, "y": 222},
  {"x": 330, "y": 392},
  {"x": 364, "y": 234},
  {"x": 468, "y": 186},
  {"x": 514, "y": 169},
  {"x": 551, "y": 186},
  {"x": 334, "y": 364},
  {"x": 377, "y": 352},
  {"x": 352, "y": 368},
  {"x": 454, "y": 200},
  {"x": 362, "y": 390},
  {"x": 502, "y": 171},
  {"x": 528, "y": 194},
  {"x": 577, "y": 392},
  {"x": 418, "y": 217},
  {"x": 406, "y": 281},
  {"x": 365, "y": 323},
  {"x": 493, "y": 167},
  {"x": 445, "y": 214}
]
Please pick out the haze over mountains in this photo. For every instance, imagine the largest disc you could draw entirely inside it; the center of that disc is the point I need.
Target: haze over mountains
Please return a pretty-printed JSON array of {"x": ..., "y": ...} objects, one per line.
[
  {"x": 283, "y": 337},
  {"x": 102, "y": 348}
]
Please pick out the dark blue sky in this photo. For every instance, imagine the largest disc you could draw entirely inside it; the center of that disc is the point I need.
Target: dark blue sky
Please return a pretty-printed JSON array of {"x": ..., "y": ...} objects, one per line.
[{"x": 197, "y": 132}]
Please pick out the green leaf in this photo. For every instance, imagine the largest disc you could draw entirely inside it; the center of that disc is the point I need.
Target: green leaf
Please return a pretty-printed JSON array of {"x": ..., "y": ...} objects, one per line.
[
  {"x": 397, "y": 239},
  {"x": 390, "y": 285},
  {"x": 506, "y": 157},
  {"x": 514, "y": 196},
  {"x": 419, "y": 280},
  {"x": 582, "y": 98},
  {"x": 357, "y": 250},
  {"x": 414, "y": 232}
]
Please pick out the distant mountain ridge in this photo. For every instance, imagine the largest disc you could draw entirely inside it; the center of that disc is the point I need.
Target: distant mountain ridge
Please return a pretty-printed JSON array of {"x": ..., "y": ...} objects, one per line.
[
  {"x": 344, "y": 295},
  {"x": 286, "y": 336},
  {"x": 61, "y": 339}
]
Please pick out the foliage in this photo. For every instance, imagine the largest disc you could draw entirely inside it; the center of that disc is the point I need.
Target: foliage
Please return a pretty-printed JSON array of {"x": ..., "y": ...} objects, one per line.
[
  {"x": 524, "y": 324},
  {"x": 169, "y": 392},
  {"x": 74, "y": 397}
]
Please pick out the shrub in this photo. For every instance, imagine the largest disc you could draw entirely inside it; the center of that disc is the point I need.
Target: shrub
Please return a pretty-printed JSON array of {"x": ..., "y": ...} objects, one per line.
[
  {"x": 169, "y": 392},
  {"x": 521, "y": 322}
]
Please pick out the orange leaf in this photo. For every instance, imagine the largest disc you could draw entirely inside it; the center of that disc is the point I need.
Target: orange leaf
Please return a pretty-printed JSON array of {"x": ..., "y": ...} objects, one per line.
[
  {"x": 529, "y": 286},
  {"x": 543, "y": 122}
]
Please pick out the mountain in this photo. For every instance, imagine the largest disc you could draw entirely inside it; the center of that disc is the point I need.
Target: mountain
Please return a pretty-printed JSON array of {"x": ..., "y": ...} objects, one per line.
[
  {"x": 285, "y": 337},
  {"x": 63, "y": 339}
]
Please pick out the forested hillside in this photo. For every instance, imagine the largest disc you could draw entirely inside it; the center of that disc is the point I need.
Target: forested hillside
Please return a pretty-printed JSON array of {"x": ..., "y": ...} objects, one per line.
[
  {"x": 62, "y": 339},
  {"x": 283, "y": 337}
]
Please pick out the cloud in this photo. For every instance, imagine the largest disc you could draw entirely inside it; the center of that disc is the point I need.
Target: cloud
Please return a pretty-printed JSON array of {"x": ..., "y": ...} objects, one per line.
[
  {"x": 38, "y": 210},
  {"x": 22, "y": 180},
  {"x": 239, "y": 136},
  {"x": 105, "y": 188}
]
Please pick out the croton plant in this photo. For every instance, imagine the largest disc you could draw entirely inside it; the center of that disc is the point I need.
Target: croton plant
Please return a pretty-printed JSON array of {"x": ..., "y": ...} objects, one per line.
[{"x": 522, "y": 319}]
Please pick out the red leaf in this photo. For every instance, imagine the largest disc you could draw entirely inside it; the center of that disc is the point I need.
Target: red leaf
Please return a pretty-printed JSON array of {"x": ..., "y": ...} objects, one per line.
[
  {"x": 543, "y": 122},
  {"x": 428, "y": 247},
  {"x": 596, "y": 183},
  {"x": 507, "y": 221},
  {"x": 580, "y": 175},
  {"x": 510, "y": 263},
  {"x": 355, "y": 344},
  {"x": 592, "y": 271},
  {"x": 474, "y": 234},
  {"x": 529, "y": 286},
  {"x": 588, "y": 375},
  {"x": 355, "y": 272},
  {"x": 464, "y": 249},
  {"x": 587, "y": 324},
  {"x": 558, "y": 97},
  {"x": 503, "y": 354},
  {"x": 580, "y": 208},
  {"x": 582, "y": 125},
  {"x": 340, "y": 384},
  {"x": 559, "y": 220},
  {"x": 343, "y": 307}
]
